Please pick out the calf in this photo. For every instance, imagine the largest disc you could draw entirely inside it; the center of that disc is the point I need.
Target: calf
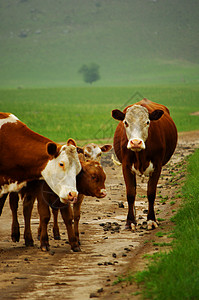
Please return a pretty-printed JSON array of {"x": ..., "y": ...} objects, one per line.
[
  {"x": 26, "y": 155},
  {"x": 90, "y": 182},
  {"x": 92, "y": 151},
  {"x": 144, "y": 141}
]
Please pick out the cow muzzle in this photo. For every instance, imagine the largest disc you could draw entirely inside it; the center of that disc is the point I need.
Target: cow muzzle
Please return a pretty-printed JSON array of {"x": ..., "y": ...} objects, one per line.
[
  {"x": 103, "y": 193},
  {"x": 71, "y": 197},
  {"x": 136, "y": 144}
]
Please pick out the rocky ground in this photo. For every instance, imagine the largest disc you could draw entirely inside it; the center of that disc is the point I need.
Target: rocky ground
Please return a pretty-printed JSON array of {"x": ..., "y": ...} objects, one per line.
[{"x": 108, "y": 250}]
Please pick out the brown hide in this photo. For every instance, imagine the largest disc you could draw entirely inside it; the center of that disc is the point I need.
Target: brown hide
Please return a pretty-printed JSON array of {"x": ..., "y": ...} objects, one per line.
[
  {"x": 23, "y": 152},
  {"x": 160, "y": 145}
]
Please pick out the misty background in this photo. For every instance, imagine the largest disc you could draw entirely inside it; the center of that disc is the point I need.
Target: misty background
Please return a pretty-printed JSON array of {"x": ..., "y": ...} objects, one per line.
[{"x": 45, "y": 43}]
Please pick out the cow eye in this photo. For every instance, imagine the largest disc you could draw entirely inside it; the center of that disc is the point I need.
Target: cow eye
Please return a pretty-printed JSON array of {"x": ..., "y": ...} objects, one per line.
[
  {"x": 147, "y": 122},
  {"x": 126, "y": 124},
  {"x": 61, "y": 164}
]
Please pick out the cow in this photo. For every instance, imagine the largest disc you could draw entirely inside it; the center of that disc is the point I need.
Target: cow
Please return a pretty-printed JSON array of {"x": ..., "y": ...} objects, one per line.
[
  {"x": 93, "y": 151},
  {"x": 144, "y": 141},
  {"x": 90, "y": 182},
  {"x": 26, "y": 155}
]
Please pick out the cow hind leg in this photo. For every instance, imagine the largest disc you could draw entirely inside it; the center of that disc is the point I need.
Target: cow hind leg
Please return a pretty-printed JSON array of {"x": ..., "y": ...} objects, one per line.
[{"x": 15, "y": 231}]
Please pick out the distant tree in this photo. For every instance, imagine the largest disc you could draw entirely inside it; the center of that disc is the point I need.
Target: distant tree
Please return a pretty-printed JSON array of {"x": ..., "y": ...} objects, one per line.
[{"x": 90, "y": 72}]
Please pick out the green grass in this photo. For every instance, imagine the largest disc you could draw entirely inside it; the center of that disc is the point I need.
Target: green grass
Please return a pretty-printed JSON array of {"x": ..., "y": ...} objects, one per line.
[
  {"x": 176, "y": 275},
  {"x": 85, "y": 113}
]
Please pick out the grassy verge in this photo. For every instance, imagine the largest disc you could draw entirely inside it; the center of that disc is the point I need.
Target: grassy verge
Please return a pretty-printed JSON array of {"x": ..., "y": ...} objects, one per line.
[{"x": 176, "y": 274}]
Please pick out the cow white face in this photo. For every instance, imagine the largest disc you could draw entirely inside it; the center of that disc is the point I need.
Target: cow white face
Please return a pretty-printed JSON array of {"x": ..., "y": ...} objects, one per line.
[
  {"x": 136, "y": 122},
  {"x": 93, "y": 151},
  {"x": 60, "y": 173}
]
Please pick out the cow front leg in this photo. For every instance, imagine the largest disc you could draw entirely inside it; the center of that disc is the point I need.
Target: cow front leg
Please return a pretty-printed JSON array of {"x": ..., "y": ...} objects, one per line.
[
  {"x": 56, "y": 233},
  {"x": 27, "y": 212},
  {"x": 44, "y": 214},
  {"x": 130, "y": 181},
  {"x": 151, "y": 194},
  {"x": 76, "y": 211},
  {"x": 67, "y": 215},
  {"x": 15, "y": 231},
  {"x": 2, "y": 202}
]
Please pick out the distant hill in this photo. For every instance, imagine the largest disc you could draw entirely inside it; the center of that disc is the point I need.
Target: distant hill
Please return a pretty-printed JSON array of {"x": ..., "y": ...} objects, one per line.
[{"x": 44, "y": 43}]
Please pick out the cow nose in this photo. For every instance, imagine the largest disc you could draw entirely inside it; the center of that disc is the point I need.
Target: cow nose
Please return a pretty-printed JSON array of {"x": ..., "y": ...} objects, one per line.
[
  {"x": 72, "y": 196},
  {"x": 136, "y": 143},
  {"x": 103, "y": 192},
  {"x": 69, "y": 197}
]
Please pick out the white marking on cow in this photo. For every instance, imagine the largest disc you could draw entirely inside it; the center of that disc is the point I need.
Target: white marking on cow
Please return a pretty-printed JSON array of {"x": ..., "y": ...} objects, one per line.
[
  {"x": 10, "y": 119},
  {"x": 147, "y": 172},
  {"x": 136, "y": 123},
  {"x": 12, "y": 187},
  {"x": 92, "y": 152},
  {"x": 66, "y": 166},
  {"x": 151, "y": 223}
]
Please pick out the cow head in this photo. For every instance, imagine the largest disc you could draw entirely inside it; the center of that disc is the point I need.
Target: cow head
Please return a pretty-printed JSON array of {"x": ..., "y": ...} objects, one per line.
[
  {"x": 91, "y": 179},
  {"x": 93, "y": 151},
  {"x": 136, "y": 121},
  {"x": 61, "y": 170}
]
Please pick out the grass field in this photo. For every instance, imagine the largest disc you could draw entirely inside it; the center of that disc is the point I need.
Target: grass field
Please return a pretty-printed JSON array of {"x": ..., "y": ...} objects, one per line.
[
  {"x": 176, "y": 275},
  {"x": 85, "y": 113}
]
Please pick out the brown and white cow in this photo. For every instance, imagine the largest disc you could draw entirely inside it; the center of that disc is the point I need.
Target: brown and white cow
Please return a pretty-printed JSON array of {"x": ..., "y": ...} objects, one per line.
[
  {"x": 90, "y": 182},
  {"x": 26, "y": 155},
  {"x": 144, "y": 141}
]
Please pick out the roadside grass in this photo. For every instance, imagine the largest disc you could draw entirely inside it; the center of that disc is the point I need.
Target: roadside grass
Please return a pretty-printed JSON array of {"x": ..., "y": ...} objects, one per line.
[
  {"x": 85, "y": 113},
  {"x": 176, "y": 274}
]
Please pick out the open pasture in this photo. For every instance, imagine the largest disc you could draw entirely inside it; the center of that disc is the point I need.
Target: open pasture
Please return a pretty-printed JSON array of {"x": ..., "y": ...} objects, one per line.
[{"x": 85, "y": 113}]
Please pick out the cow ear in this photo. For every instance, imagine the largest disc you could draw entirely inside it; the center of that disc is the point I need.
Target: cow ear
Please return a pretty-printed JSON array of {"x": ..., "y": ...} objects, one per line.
[
  {"x": 80, "y": 150},
  {"x": 52, "y": 148},
  {"x": 156, "y": 114},
  {"x": 106, "y": 148},
  {"x": 118, "y": 114},
  {"x": 71, "y": 142}
]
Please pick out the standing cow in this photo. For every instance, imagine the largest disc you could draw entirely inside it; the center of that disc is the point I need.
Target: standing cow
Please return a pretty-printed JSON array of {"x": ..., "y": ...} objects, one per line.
[
  {"x": 26, "y": 155},
  {"x": 144, "y": 141}
]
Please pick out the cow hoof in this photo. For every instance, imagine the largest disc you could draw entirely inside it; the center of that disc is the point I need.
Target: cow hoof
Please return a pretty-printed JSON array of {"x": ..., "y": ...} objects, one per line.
[
  {"x": 45, "y": 248},
  {"x": 133, "y": 228},
  {"x": 76, "y": 249},
  {"x": 15, "y": 238},
  {"x": 152, "y": 224}
]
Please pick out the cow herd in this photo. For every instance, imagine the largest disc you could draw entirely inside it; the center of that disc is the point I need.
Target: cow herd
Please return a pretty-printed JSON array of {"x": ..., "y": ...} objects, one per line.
[{"x": 59, "y": 176}]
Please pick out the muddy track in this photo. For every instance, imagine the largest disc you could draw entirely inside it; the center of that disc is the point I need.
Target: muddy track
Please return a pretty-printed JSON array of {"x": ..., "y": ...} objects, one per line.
[{"x": 108, "y": 250}]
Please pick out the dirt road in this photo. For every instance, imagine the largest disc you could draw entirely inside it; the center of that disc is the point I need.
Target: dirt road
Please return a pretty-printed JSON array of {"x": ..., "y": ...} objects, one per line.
[{"x": 108, "y": 249}]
